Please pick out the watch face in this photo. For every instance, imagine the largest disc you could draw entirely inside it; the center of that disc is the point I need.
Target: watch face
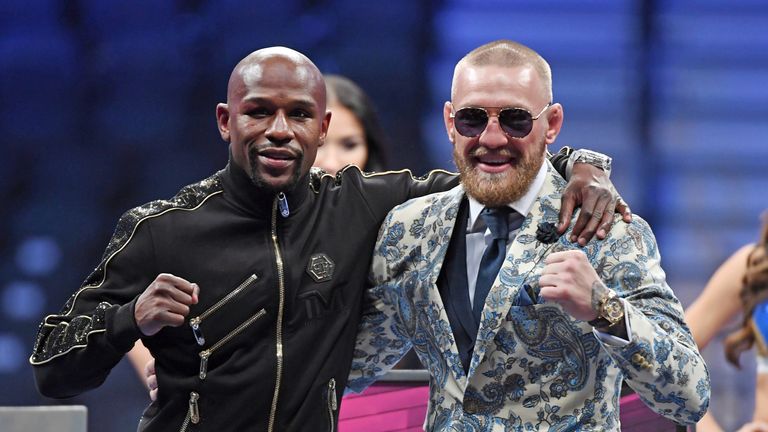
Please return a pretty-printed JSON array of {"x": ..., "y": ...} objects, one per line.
[{"x": 613, "y": 309}]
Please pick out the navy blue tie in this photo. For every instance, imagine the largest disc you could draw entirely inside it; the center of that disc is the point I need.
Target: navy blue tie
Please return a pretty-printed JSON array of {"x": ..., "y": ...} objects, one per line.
[{"x": 497, "y": 221}]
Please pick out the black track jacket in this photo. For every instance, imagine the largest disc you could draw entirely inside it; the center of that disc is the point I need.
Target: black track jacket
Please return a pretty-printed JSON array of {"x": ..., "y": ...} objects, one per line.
[{"x": 269, "y": 345}]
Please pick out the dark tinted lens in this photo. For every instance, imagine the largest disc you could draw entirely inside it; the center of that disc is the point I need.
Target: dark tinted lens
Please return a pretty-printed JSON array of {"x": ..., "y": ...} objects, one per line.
[
  {"x": 470, "y": 122},
  {"x": 516, "y": 122}
]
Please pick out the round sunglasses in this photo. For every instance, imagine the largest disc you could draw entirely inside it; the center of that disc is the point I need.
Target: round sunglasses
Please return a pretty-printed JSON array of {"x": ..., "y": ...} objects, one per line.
[{"x": 515, "y": 122}]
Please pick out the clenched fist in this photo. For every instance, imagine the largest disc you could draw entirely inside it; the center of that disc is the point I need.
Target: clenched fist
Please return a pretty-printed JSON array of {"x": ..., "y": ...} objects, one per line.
[
  {"x": 165, "y": 302},
  {"x": 570, "y": 280}
]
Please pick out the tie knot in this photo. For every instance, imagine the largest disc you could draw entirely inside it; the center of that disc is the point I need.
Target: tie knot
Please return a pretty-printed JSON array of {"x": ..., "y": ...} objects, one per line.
[{"x": 497, "y": 220}]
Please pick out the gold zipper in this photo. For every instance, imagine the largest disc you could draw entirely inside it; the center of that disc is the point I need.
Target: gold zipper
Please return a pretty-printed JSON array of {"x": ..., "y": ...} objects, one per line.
[
  {"x": 332, "y": 402},
  {"x": 279, "y": 331},
  {"x": 205, "y": 354},
  {"x": 185, "y": 424},
  {"x": 196, "y": 321},
  {"x": 193, "y": 413}
]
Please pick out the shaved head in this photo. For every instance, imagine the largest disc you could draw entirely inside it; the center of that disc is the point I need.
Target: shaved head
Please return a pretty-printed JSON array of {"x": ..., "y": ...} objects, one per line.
[
  {"x": 275, "y": 116},
  {"x": 506, "y": 53},
  {"x": 251, "y": 68}
]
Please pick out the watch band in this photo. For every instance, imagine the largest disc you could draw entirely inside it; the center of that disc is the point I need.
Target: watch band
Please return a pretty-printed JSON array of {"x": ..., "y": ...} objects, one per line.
[
  {"x": 593, "y": 158},
  {"x": 599, "y": 322}
]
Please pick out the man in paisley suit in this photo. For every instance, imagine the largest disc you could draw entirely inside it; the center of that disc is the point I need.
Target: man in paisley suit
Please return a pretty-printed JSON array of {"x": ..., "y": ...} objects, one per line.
[{"x": 546, "y": 340}]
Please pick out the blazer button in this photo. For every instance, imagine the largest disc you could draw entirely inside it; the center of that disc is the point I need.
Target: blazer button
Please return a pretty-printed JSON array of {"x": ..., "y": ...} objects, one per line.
[{"x": 640, "y": 361}]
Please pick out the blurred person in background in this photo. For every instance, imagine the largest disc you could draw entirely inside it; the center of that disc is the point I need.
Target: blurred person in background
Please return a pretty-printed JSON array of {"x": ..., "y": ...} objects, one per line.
[
  {"x": 737, "y": 286},
  {"x": 355, "y": 136}
]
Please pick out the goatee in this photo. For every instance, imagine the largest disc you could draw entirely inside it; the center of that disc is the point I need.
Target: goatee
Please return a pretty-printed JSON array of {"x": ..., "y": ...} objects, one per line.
[
  {"x": 259, "y": 182},
  {"x": 498, "y": 189}
]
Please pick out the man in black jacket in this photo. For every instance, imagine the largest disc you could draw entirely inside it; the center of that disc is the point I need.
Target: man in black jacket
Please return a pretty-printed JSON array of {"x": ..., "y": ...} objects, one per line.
[{"x": 247, "y": 286}]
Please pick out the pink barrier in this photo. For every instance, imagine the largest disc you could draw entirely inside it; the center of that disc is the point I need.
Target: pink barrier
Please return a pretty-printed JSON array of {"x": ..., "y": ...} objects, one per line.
[
  {"x": 637, "y": 417},
  {"x": 385, "y": 407},
  {"x": 390, "y": 407}
]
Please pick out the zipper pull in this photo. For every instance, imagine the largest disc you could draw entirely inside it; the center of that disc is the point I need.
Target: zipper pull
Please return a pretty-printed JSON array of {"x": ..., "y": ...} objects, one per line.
[
  {"x": 194, "y": 411},
  {"x": 332, "y": 393},
  {"x": 204, "y": 363},
  {"x": 282, "y": 202},
  {"x": 196, "y": 331}
]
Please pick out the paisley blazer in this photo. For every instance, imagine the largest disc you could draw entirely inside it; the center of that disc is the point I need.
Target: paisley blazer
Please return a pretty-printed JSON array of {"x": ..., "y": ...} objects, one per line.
[{"x": 534, "y": 367}]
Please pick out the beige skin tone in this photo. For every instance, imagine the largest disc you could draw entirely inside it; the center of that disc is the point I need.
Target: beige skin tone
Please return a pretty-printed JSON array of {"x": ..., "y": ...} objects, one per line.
[
  {"x": 567, "y": 278},
  {"x": 344, "y": 144},
  {"x": 718, "y": 303}
]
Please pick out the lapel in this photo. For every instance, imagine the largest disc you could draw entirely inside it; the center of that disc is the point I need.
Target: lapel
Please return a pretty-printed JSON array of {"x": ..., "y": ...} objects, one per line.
[
  {"x": 523, "y": 255},
  {"x": 439, "y": 224},
  {"x": 455, "y": 280}
]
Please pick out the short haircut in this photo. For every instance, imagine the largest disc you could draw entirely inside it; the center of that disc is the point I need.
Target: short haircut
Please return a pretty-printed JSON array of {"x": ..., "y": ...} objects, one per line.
[{"x": 507, "y": 53}]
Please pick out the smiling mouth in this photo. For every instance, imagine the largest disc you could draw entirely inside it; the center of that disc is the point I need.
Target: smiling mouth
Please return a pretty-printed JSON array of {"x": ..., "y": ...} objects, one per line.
[
  {"x": 494, "y": 161},
  {"x": 277, "y": 154},
  {"x": 276, "y": 159}
]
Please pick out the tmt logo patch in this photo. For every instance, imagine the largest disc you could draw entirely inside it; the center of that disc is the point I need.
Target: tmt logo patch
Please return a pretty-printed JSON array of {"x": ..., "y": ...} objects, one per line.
[{"x": 320, "y": 267}]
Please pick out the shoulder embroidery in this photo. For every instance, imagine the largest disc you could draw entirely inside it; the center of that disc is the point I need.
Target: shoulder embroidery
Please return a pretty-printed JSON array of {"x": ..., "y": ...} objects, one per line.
[{"x": 59, "y": 334}]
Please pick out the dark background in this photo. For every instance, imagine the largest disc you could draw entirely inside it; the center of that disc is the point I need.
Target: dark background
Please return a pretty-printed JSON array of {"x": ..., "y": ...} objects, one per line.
[{"x": 105, "y": 105}]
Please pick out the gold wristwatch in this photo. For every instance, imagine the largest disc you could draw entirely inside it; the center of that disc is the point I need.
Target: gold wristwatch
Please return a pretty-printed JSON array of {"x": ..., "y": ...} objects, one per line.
[{"x": 610, "y": 311}]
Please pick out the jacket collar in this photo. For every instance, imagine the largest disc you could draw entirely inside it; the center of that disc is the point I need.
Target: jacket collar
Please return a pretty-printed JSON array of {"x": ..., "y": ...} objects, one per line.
[{"x": 258, "y": 200}]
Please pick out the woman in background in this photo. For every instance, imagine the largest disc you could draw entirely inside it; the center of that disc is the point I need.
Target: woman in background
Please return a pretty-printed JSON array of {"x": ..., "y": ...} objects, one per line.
[
  {"x": 739, "y": 284},
  {"x": 355, "y": 136}
]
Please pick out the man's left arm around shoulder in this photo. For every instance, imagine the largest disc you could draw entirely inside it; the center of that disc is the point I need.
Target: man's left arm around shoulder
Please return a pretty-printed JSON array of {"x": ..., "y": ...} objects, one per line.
[
  {"x": 589, "y": 187},
  {"x": 636, "y": 316}
]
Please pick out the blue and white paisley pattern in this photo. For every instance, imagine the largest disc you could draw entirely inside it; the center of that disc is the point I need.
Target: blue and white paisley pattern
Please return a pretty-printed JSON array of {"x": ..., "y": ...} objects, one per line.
[{"x": 533, "y": 368}]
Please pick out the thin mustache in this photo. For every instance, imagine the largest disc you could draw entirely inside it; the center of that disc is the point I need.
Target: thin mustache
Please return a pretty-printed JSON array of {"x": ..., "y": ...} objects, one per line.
[{"x": 482, "y": 151}]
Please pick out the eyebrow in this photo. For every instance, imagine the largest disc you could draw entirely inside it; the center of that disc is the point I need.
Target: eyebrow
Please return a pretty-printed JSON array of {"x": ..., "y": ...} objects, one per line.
[{"x": 299, "y": 103}]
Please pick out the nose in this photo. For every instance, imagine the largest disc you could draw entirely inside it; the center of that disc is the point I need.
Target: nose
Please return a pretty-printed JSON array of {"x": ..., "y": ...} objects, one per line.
[
  {"x": 493, "y": 136},
  {"x": 279, "y": 131}
]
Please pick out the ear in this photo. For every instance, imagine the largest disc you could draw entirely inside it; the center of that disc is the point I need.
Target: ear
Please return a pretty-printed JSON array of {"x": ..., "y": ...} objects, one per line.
[
  {"x": 324, "y": 128},
  {"x": 447, "y": 110},
  {"x": 554, "y": 123},
  {"x": 222, "y": 120}
]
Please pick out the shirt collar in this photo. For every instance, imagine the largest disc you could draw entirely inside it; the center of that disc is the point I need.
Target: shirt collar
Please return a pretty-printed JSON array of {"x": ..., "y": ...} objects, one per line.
[{"x": 522, "y": 205}]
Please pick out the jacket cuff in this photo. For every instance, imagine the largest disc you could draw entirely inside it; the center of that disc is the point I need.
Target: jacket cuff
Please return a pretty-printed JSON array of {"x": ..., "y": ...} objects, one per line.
[
  {"x": 122, "y": 331},
  {"x": 559, "y": 160}
]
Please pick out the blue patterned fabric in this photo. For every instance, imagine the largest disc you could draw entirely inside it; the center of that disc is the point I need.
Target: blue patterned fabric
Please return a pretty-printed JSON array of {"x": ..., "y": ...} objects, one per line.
[{"x": 534, "y": 367}]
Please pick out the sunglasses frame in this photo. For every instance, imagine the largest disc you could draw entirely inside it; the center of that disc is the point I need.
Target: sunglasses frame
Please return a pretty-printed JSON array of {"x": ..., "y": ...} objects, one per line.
[{"x": 498, "y": 114}]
